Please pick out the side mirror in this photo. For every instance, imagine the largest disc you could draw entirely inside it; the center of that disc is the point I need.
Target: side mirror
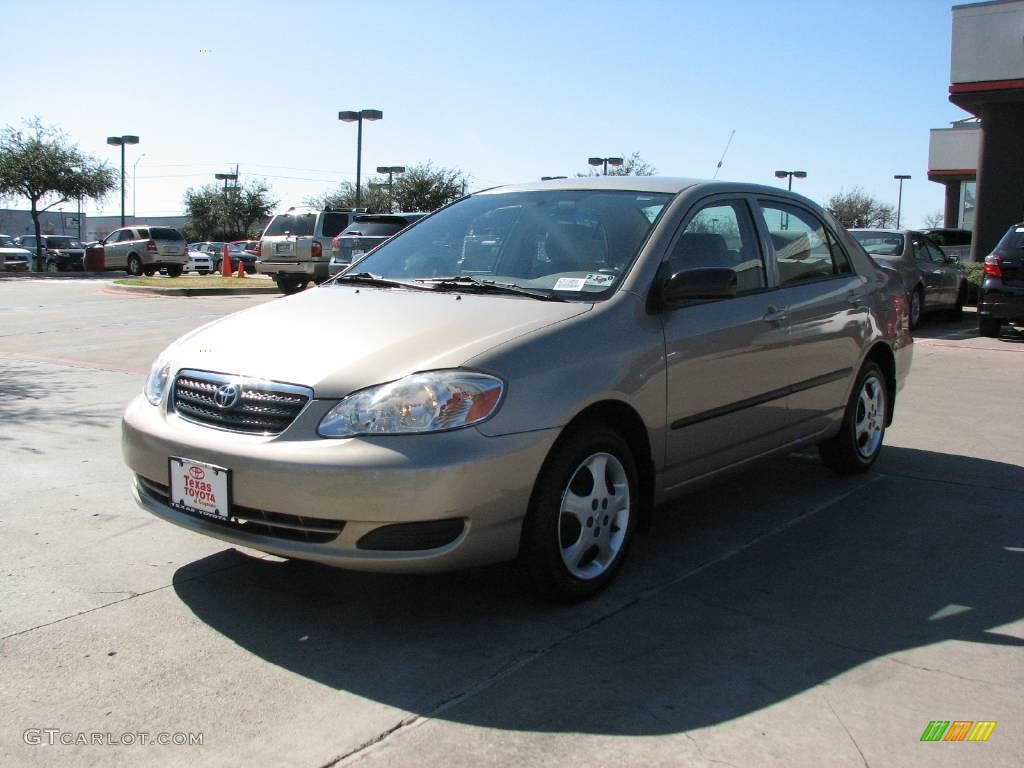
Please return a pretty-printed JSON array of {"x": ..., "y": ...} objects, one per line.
[
  {"x": 698, "y": 285},
  {"x": 952, "y": 259}
]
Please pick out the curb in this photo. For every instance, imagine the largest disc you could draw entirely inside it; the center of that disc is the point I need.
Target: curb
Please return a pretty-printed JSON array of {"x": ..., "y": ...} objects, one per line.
[{"x": 153, "y": 291}]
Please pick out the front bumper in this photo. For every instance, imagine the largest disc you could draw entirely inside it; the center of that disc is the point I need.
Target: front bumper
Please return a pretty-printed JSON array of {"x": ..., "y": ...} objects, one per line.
[{"x": 368, "y": 483}]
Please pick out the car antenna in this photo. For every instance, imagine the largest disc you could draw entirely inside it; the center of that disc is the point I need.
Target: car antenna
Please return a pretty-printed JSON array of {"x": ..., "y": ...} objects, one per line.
[{"x": 724, "y": 151}]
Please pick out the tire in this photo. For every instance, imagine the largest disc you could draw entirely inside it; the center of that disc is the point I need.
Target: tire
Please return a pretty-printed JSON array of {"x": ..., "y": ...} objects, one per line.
[
  {"x": 577, "y": 533},
  {"x": 957, "y": 312},
  {"x": 149, "y": 272},
  {"x": 52, "y": 267},
  {"x": 134, "y": 266},
  {"x": 859, "y": 442},
  {"x": 174, "y": 271},
  {"x": 916, "y": 307},
  {"x": 989, "y": 326},
  {"x": 289, "y": 285}
]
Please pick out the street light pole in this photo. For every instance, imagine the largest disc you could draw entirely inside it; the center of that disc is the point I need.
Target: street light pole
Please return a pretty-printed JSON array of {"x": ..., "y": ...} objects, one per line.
[
  {"x": 790, "y": 174},
  {"x": 135, "y": 168},
  {"x": 358, "y": 117},
  {"x": 390, "y": 170},
  {"x": 899, "y": 199},
  {"x": 226, "y": 177},
  {"x": 605, "y": 161},
  {"x": 120, "y": 141}
]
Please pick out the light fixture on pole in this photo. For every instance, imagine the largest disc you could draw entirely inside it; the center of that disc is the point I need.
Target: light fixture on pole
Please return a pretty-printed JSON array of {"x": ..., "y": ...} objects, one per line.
[
  {"x": 899, "y": 200},
  {"x": 135, "y": 168},
  {"x": 226, "y": 177},
  {"x": 120, "y": 141},
  {"x": 358, "y": 117},
  {"x": 791, "y": 175},
  {"x": 605, "y": 161},
  {"x": 390, "y": 170}
]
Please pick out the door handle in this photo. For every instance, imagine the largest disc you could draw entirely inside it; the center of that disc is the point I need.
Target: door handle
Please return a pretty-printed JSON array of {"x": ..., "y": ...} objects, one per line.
[{"x": 775, "y": 315}]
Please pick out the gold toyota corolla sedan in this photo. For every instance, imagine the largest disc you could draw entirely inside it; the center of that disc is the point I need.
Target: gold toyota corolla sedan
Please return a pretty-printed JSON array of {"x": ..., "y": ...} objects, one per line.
[{"x": 523, "y": 375}]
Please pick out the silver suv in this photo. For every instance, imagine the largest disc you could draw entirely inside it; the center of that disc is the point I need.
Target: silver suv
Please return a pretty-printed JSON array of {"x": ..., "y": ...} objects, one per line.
[
  {"x": 144, "y": 250},
  {"x": 295, "y": 247}
]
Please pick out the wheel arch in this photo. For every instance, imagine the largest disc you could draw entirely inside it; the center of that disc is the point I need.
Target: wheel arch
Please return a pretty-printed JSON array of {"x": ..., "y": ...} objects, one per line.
[{"x": 625, "y": 420}]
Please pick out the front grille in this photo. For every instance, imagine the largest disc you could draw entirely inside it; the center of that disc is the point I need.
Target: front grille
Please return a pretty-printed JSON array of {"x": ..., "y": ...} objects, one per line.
[
  {"x": 259, "y": 521},
  {"x": 253, "y": 406}
]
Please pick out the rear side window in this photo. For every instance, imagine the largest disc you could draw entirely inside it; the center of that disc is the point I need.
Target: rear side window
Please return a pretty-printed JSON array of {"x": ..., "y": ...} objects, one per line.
[
  {"x": 334, "y": 223},
  {"x": 165, "y": 233},
  {"x": 1012, "y": 242},
  {"x": 804, "y": 249},
  {"x": 143, "y": 234},
  {"x": 294, "y": 224}
]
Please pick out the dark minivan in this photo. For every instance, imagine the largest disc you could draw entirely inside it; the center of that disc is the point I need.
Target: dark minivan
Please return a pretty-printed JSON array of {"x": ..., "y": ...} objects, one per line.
[{"x": 1001, "y": 298}]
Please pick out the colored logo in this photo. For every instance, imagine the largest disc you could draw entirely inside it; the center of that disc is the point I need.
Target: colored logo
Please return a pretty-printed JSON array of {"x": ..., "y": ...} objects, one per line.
[
  {"x": 958, "y": 730},
  {"x": 197, "y": 472}
]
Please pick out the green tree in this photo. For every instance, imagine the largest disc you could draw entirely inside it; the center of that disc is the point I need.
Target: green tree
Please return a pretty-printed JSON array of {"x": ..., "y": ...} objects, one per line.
[
  {"x": 374, "y": 198},
  {"x": 216, "y": 213},
  {"x": 426, "y": 188},
  {"x": 39, "y": 164},
  {"x": 857, "y": 208},
  {"x": 634, "y": 165}
]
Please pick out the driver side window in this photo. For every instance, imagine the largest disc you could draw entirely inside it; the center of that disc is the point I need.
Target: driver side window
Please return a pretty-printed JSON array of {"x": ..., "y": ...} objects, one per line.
[{"x": 721, "y": 235}]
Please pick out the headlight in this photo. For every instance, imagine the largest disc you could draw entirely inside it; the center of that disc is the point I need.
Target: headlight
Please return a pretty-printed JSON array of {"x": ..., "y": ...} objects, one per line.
[
  {"x": 424, "y": 402},
  {"x": 157, "y": 381}
]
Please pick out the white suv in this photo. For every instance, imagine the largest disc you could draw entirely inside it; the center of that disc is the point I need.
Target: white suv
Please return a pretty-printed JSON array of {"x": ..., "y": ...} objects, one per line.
[
  {"x": 295, "y": 247},
  {"x": 144, "y": 250}
]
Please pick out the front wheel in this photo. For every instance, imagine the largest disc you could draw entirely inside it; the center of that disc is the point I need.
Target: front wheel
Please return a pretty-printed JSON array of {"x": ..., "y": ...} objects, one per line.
[
  {"x": 582, "y": 515},
  {"x": 957, "y": 312},
  {"x": 859, "y": 442},
  {"x": 52, "y": 267},
  {"x": 174, "y": 271}
]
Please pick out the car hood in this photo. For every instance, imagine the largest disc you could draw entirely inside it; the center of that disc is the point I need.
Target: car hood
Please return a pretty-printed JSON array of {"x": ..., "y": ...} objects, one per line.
[
  {"x": 15, "y": 251},
  {"x": 340, "y": 338}
]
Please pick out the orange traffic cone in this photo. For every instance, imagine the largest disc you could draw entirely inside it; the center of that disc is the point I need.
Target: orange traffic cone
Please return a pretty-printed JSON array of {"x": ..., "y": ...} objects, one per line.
[
  {"x": 241, "y": 268},
  {"x": 225, "y": 262}
]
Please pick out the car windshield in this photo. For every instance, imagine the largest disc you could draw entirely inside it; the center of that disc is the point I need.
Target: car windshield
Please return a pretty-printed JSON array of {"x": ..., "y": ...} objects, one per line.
[
  {"x": 62, "y": 242},
  {"x": 6, "y": 242},
  {"x": 574, "y": 243},
  {"x": 880, "y": 243},
  {"x": 295, "y": 224}
]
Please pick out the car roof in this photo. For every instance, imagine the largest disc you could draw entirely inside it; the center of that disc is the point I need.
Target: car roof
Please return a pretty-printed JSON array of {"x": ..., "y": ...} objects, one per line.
[
  {"x": 885, "y": 230},
  {"x": 663, "y": 184}
]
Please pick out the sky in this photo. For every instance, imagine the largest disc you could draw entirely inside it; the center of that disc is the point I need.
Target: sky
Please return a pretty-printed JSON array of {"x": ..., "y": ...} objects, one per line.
[{"x": 504, "y": 92}]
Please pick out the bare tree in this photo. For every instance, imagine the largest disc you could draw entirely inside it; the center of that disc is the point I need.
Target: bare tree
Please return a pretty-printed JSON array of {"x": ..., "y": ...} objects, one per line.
[
  {"x": 39, "y": 164},
  {"x": 856, "y": 208},
  {"x": 934, "y": 220}
]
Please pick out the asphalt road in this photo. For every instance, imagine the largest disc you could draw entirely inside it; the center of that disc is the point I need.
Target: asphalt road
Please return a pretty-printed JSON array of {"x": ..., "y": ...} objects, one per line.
[{"x": 786, "y": 617}]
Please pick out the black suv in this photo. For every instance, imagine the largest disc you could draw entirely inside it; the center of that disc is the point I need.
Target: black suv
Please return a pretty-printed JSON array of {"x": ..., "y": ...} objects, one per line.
[
  {"x": 61, "y": 253},
  {"x": 1001, "y": 297},
  {"x": 367, "y": 231}
]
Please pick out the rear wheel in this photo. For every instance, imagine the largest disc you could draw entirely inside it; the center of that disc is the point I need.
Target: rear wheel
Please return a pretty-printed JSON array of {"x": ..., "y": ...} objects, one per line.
[
  {"x": 916, "y": 307},
  {"x": 149, "y": 272},
  {"x": 134, "y": 265},
  {"x": 989, "y": 326},
  {"x": 582, "y": 515},
  {"x": 957, "y": 312},
  {"x": 859, "y": 442},
  {"x": 288, "y": 284},
  {"x": 174, "y": 271}
]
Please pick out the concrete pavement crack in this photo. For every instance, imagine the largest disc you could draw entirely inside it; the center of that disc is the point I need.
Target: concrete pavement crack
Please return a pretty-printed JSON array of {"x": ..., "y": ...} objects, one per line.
[
  {"x": 705, "y": 757},
  {"x": 850, "y": 735}
]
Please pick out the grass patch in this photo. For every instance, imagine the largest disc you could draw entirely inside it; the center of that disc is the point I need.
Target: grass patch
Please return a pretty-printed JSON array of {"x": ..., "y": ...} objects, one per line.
[{"x": 197, "y": 281}]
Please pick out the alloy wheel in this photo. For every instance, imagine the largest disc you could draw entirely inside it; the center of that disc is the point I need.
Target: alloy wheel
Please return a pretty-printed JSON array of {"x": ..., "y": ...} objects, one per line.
[{"x": 594, "y": 516}]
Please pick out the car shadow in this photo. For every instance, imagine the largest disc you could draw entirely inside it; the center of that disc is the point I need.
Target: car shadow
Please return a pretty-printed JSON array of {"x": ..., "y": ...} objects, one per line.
[{"x": 745, "y": 600}]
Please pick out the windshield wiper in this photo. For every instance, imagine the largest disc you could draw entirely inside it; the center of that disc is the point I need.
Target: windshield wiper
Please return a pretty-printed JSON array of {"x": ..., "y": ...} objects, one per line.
[
  {"x": 467, "y": 283},
  {"x": 367, "y": 278}
]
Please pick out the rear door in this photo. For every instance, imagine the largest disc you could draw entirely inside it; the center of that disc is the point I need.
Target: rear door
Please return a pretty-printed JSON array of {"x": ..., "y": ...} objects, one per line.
[
  {"x": 951, "y": 275},
  {"x": 935, "y": 290},
  {"x": 827, "y": 306}
]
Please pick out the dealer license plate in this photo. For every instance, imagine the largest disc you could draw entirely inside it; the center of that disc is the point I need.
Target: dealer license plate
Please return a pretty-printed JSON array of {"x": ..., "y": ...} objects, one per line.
[{"x": 199, "y": 487}]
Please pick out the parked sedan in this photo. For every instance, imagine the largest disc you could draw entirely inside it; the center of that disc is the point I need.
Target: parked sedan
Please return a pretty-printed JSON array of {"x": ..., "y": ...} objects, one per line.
[
  {"x": 216, "y": 253},
  {"x": 365, "y": 233},
  {"x": 14, "y": 258},
  {"x": 933, "y": 280},
  {"x": 198, "y": 261},
  {"x": 526, "y": 374},
  {"x": 1001, "y": 298}
]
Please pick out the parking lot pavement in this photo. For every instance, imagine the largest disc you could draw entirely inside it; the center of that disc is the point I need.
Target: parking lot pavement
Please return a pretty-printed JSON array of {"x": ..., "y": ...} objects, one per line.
[{"x": 785, "y": 617}]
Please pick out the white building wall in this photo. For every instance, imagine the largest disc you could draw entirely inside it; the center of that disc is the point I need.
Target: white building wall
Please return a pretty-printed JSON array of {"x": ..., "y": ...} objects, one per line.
[
  {"x": 954, "y": 149},
  {"x": 988, "y": 42}
]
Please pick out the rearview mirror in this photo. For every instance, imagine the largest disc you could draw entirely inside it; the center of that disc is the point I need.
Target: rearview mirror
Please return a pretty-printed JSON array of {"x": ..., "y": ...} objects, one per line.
[{"x": 698, "y": 285}]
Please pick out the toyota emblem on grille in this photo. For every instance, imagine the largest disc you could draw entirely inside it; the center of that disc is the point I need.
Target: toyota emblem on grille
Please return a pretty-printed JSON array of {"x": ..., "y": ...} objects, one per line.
[{"x": 226, "y": 396}]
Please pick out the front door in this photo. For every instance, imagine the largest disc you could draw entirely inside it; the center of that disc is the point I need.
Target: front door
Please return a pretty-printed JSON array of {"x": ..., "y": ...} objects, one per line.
[{"x": 726, "y": 367}]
